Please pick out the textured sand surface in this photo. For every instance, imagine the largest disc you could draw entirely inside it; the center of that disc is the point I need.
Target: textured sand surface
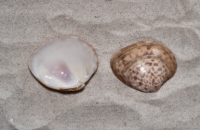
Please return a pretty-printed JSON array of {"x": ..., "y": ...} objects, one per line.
[{"x": 105, "y": 103}]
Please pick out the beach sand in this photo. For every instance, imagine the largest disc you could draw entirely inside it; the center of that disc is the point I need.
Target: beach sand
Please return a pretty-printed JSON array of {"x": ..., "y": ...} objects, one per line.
[{"x": 105, "y": 103}]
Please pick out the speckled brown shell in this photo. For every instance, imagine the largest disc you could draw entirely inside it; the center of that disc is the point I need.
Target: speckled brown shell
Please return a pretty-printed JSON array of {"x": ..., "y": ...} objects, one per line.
[{"x": 145, "y": 65}]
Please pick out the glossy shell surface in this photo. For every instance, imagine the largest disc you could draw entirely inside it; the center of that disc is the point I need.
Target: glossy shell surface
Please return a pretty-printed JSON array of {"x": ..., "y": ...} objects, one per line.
[
  {"x": 65, "y": 63},
  {"x": 145, "y": 65}
]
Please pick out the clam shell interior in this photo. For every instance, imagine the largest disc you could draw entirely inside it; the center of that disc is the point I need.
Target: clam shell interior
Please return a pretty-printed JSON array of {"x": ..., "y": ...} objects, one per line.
[{"x": 64, "y": 63}]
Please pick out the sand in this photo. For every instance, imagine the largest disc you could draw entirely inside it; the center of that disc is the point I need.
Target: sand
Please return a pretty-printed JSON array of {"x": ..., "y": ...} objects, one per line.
[{"x": 105, "y": 103}]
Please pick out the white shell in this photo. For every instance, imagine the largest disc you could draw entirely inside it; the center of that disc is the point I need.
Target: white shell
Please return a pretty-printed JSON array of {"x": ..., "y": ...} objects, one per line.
[{"x": 65, "y": 63}]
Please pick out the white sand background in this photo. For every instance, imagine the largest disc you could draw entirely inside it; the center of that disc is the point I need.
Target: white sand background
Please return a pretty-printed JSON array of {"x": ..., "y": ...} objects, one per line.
[{"x": 105, "y": 103}]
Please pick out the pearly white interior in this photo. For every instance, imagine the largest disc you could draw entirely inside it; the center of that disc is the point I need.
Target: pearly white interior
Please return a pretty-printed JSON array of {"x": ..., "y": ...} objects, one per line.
[{"x": 65, "y": 63}]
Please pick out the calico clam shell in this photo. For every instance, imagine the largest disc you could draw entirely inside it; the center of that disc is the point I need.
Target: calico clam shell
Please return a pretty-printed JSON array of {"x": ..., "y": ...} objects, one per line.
[
  {"x": 65, "y": 63},
  {"x": 145, "y": 65}
]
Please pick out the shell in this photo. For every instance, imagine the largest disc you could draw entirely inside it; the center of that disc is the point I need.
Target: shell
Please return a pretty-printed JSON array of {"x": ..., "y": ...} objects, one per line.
[
  {"x": 65, "y": 63},
  {"x": 145, "y": 65}
]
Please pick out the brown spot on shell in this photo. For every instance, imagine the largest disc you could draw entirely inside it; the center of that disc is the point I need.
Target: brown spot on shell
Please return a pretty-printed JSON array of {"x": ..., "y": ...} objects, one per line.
[
  {"x": 153, "y": 81},
  {"x": 156, "y": 87},
  {"x": 155, "y": 64},
  {"x": 148, "y": 47},
  {"x": 135, "y": 78},
  {"x": 148, "y": 63}
]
